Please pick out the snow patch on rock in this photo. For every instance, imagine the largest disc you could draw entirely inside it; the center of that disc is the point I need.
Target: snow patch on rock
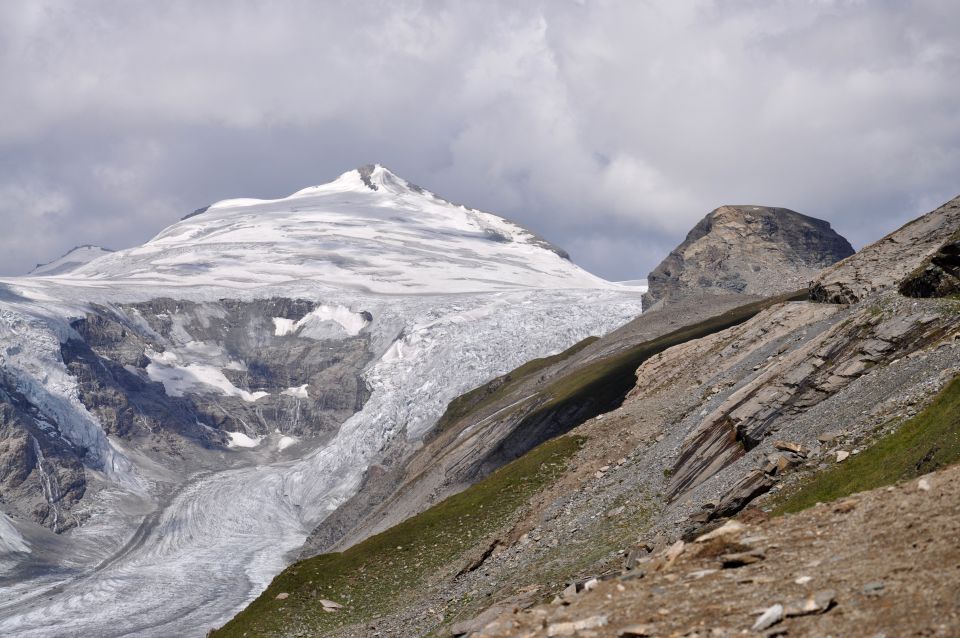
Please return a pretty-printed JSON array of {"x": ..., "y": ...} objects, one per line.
[
  {"x": 318, "y": 324},
  {"x": 239, "y": 439},
  {"x": 286, "y": 441},
  {"x": 300, "y": 392},
  {"x": 193, "y": 377}
]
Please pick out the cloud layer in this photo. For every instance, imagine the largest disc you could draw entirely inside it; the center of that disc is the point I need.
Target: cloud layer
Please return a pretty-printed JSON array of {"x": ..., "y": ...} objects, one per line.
[{"x": 610, "y": 127}]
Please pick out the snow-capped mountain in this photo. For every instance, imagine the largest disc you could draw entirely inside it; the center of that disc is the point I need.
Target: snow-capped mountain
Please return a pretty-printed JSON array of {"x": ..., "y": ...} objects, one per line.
[
  {"x": 367, "y": 230},
  {"x": 179, "y": 415}
]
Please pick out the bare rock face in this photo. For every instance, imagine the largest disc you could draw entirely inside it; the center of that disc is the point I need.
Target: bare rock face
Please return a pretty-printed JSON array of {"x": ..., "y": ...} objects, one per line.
[
  {"x": 41, "y": 477},
  {"x": 903, "y": 254},
  {"x": 939, "y": 275},
  {"x": 747, "y": 249}
]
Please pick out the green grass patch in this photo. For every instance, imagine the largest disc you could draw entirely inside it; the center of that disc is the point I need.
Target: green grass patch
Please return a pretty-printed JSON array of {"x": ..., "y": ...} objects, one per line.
[
  {"x": 492, "y": 391},
  {"x": 375, "y": 576},
  {"x": 928, "y": 441}
]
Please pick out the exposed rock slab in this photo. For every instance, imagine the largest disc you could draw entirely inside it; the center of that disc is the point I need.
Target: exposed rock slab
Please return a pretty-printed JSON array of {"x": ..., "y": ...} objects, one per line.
[
  {"x": 885, "y": 263},
  {"x": 801, "y": 378},
  {"x": 939, "y": 275}
]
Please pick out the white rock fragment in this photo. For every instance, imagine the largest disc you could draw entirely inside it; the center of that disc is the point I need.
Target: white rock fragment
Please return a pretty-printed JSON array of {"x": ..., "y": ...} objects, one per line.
[
  {"x": 770, "y": 617},
  {"x": 674, "y": 551},
  {"x": 815, "y": 604},
  {"x": 729, "y": 528},
  {"x": 701, "y": 573},
  {"x": 571, "y": 628}
]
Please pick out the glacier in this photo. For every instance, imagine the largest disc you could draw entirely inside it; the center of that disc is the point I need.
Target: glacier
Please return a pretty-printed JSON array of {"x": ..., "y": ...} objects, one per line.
[{"x": 448, "y": 297}]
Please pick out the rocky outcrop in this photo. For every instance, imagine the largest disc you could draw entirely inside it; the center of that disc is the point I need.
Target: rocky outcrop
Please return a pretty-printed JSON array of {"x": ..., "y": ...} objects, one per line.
[
  {"x": 308, "y": 384},
  {"x": 747, "y": 249},
  {"x": 802, "y": 377},
  {"x": 939, "y": 275},
  {"x": 884, "y": 264},
  {"x": 41, "y": 475}
]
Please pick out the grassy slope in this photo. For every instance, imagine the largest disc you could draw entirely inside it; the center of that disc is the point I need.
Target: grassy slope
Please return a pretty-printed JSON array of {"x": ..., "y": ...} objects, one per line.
[
  {"x": 372, "y": 577},
  {"x": 488, "y": 393},
  {"x": 926, "y": 442}
]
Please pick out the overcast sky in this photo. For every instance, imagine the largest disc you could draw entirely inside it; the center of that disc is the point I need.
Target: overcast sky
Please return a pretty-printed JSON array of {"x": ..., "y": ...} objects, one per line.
[{"x": 609, "y": 127}]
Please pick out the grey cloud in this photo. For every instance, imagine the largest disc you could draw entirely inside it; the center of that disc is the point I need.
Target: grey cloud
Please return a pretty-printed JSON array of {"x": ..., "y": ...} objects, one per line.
[{"x": 609, "y": 127}]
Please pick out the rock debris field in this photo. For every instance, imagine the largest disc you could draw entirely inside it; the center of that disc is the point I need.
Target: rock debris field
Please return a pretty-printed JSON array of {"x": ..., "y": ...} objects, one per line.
[{"x": 832, "y": 570}]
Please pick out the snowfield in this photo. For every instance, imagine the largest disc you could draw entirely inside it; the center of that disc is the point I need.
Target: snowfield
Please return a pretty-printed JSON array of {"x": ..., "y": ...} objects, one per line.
[{"x": 456, "y": 297}]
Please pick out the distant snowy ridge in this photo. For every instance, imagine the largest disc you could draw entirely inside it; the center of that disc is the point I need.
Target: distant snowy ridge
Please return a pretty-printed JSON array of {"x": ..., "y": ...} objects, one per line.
[
  {"x": 74, "y": 258},
  {"x": 636, "y": 283}
]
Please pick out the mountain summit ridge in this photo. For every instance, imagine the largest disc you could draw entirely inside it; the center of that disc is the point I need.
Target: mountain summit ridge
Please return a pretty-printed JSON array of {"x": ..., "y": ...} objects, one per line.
[
  {"x": 367, "y": 230},
  {"x": 73, "y": 258}
]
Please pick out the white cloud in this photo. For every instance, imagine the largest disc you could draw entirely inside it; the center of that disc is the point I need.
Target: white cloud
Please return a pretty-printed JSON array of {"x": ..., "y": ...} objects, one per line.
[{"x": 616, "y": 120}]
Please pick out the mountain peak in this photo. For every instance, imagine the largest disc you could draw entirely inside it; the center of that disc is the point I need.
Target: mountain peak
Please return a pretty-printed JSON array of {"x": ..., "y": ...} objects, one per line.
[
  {"x": 748, "y": 249},
  {"x": 377, "y": 176},
  {"x": 369, "y": 178},
  {"x": 368, "y": 229}
]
